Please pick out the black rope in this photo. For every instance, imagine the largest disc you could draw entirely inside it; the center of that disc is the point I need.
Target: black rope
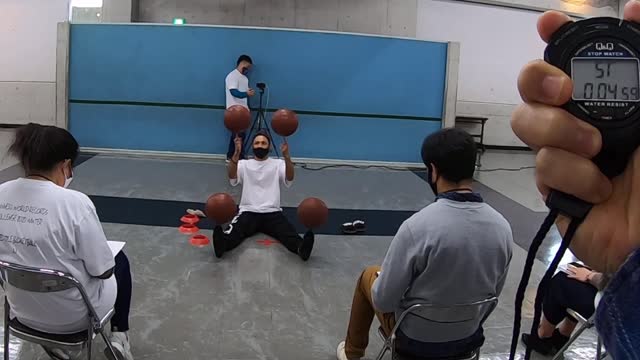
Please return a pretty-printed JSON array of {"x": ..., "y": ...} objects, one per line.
[
  {"x": 544, "y": 283},
  {"x": 397, "y": 168},
  {"x": 526, "y": 274}
]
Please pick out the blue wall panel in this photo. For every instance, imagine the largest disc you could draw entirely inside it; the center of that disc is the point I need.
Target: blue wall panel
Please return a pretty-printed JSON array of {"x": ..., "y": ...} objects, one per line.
[
  {"x": 327, "y": 74},
  {"x": 327, "y": 137}
]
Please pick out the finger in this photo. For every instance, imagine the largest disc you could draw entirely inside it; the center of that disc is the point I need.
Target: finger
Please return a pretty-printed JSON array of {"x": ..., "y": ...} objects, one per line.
[
  {"x": 543, "y": 189},
  {"x": 572, "y": 174},
  {"x": 542, "y": 82},
  {"x": 545, "y": 126},
  {"x": 632, "y": 11},
  {"x": 550, "y": 22}
]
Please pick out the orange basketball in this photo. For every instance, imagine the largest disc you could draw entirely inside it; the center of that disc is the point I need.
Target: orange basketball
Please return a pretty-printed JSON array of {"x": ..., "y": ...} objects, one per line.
[
  {"x": 312, "y": 212},
  {"x": 221, "y": 208},
  {"x": 237, "y": 118},
  {"x": 284, "y": 122}
]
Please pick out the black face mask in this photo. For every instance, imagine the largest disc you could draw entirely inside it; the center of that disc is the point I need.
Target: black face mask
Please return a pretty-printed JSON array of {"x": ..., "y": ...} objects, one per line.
[
  {"x": 431, "y": 183},
  {"x": 260, "y": 153}
]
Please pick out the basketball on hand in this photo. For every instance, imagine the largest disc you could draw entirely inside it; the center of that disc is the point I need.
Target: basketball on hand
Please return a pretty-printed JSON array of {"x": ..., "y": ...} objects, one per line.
[
  {"x": 221, "y": 208},
  {"x": 237, "y": 118},
  {"x": 313, "y": 212},
  {"x": 284, "y": 122}
]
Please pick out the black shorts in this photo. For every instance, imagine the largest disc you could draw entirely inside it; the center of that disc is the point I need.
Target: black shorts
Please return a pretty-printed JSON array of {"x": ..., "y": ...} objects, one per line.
[{"x": 565, "y": 293}]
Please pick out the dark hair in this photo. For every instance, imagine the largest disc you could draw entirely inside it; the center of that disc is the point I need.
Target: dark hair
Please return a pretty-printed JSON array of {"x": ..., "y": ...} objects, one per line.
[
  {"x": 453, "y": 152},
  {"x": 244, "y": 58},
  {"x": 40, "y": 148},
  {"x": 262, "y": 133}
]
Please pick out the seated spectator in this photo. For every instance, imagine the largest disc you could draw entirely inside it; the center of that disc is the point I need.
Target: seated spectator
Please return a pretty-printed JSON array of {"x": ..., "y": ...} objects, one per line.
[
  {"x": 574, "y": 289},
  {"x": 57, "y": 228},
  {"x": 456, "y": 250}
]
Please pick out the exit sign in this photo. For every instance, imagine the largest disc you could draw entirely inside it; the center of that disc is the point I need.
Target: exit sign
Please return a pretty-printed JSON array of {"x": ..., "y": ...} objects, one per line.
[{"x": 179, "y": 21}]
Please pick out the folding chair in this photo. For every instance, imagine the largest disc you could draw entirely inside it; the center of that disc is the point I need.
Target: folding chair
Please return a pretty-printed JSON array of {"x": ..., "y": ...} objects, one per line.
[
  {"x": 584, "y": 325},
  {"x": 420, "y": 309},
  {"x": 49, "y": 281}
]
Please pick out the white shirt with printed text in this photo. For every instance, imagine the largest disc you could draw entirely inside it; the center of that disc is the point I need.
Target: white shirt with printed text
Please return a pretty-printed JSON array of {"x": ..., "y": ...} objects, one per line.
[{"x": 46, "y": 226}]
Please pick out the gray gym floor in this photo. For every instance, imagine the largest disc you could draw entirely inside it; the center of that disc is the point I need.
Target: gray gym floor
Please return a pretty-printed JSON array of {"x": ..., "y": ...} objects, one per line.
[{"x": 260, "y": 301}]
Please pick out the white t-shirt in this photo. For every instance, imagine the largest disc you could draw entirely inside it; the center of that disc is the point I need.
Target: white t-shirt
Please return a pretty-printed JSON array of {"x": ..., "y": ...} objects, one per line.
[
  {"x": 236, "y": 80},
  {"x": 261, "y": 184},
  {"x": 46, "y": 226}
]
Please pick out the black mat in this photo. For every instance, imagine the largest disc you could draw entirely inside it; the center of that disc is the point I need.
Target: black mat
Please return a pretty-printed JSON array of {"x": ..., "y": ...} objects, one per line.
[
  {"x": 82, "y": 158},
  {"x": 168, "y": 213}
]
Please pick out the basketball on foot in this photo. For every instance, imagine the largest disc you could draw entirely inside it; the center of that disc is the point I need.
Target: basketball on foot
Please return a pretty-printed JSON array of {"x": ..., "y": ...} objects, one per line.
[
  {"x": 312, "y": 212},
  {"x": 237, "y": 118},
  {"x": 221, "y": 208},
  {"x": 284, "y": 122}
]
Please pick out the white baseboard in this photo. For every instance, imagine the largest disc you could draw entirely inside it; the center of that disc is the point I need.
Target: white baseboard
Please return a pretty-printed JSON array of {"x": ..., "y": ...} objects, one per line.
[{"x": 169, "y": 155}]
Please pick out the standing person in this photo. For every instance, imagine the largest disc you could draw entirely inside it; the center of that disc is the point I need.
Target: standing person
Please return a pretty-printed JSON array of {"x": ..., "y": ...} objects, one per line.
[
  {"x": 260, "y": 209},
  {"x": 434, "y": 259},
  {"x": 49, "y": 226},
  {"x": 609, "y": 238},
  {"x": 237, "y": 93}
]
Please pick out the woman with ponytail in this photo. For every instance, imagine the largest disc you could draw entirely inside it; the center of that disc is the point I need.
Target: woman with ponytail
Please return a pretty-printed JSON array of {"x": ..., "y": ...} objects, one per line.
[{"x": 45, "y": 225}]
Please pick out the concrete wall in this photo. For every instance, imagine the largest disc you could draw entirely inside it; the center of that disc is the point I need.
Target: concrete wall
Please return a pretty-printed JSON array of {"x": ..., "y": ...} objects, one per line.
[
  {"x": 28, "y": 31},
  {"x": 582, "y": 8},
  {"x": 28, "y": 34},
  {"x": 117, "y": 11},
  {"x": 496, "y": 41},
  {"x": 388, "y": 17}
]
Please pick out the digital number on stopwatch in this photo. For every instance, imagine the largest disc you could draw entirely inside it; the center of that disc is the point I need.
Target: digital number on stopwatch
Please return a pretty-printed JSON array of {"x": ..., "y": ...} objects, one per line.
[
  {"x": 601, "y": 55},
  {"x": 605, "y": 79}
]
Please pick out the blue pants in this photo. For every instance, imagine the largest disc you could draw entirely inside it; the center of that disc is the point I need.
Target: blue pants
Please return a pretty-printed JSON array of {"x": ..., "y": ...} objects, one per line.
[{"x": 122, "y": 273}]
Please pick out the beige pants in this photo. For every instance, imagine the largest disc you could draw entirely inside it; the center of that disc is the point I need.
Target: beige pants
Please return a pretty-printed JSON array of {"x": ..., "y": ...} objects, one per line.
[{"x": 362, "y": 313}]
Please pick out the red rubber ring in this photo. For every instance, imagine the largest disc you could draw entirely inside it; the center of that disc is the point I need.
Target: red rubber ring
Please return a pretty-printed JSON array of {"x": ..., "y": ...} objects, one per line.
[
  {"x": 188, "y": 229},
  {"x": 190, "y": 219},
  {"x": 199, "y": 240}
]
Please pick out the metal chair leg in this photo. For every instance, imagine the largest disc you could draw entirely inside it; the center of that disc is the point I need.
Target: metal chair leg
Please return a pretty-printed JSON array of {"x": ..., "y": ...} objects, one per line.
[
  {"x": 90, "y": 344},
  {"x": 109, "y": 348},
  {"x": 6, "y": 329},
  {"x": 573, "y": 338},
  {"x": 599, "y": 350},
  {"x": 383, "y": 351}
]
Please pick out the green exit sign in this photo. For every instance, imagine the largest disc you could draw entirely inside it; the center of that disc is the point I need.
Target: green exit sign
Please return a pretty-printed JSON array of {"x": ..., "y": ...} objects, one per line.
[{"x": 179, "y": 21}]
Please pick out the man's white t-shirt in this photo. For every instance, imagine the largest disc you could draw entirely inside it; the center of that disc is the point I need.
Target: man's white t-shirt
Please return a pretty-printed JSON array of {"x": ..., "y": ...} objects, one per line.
[
  {"x": 261, "y": 184},
  {"x": 46, "y": 226},
  {"x": 236, "y": 80}
]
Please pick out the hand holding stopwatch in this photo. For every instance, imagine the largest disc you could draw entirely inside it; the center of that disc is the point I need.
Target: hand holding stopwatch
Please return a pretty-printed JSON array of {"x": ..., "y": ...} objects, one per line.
[{"x": 601, "y": 55}]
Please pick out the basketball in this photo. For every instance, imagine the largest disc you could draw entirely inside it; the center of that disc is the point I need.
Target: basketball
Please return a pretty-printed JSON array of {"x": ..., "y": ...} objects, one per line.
[
  {"x": 221, "y": 208},
  {"x": 237, "y": 118},
  {"x": 312, "y": 212},
  {"x": 284, "y": 122}
]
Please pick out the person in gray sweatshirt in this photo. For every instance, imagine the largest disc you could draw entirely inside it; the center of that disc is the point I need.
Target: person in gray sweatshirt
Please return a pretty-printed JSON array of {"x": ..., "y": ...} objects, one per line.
[{"x": 456, "y": 250}]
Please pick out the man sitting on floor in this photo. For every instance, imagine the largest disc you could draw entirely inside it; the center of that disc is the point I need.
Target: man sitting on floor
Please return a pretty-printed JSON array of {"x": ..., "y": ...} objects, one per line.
[
  {"x": 260, "y": 209},
  {"x": 456, "y": 250}
]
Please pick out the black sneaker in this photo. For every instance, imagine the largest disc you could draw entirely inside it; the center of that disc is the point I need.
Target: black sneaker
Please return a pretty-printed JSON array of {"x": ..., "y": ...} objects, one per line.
[
  {"x": 349, "y": 229},
  {"x": 559, "y": 340},
  {"x": 218, "y": 241},
  {"x": 542, "y": 346},
  {"x": 307, "y": 245},
  {"x": 360, "y": 226}
]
